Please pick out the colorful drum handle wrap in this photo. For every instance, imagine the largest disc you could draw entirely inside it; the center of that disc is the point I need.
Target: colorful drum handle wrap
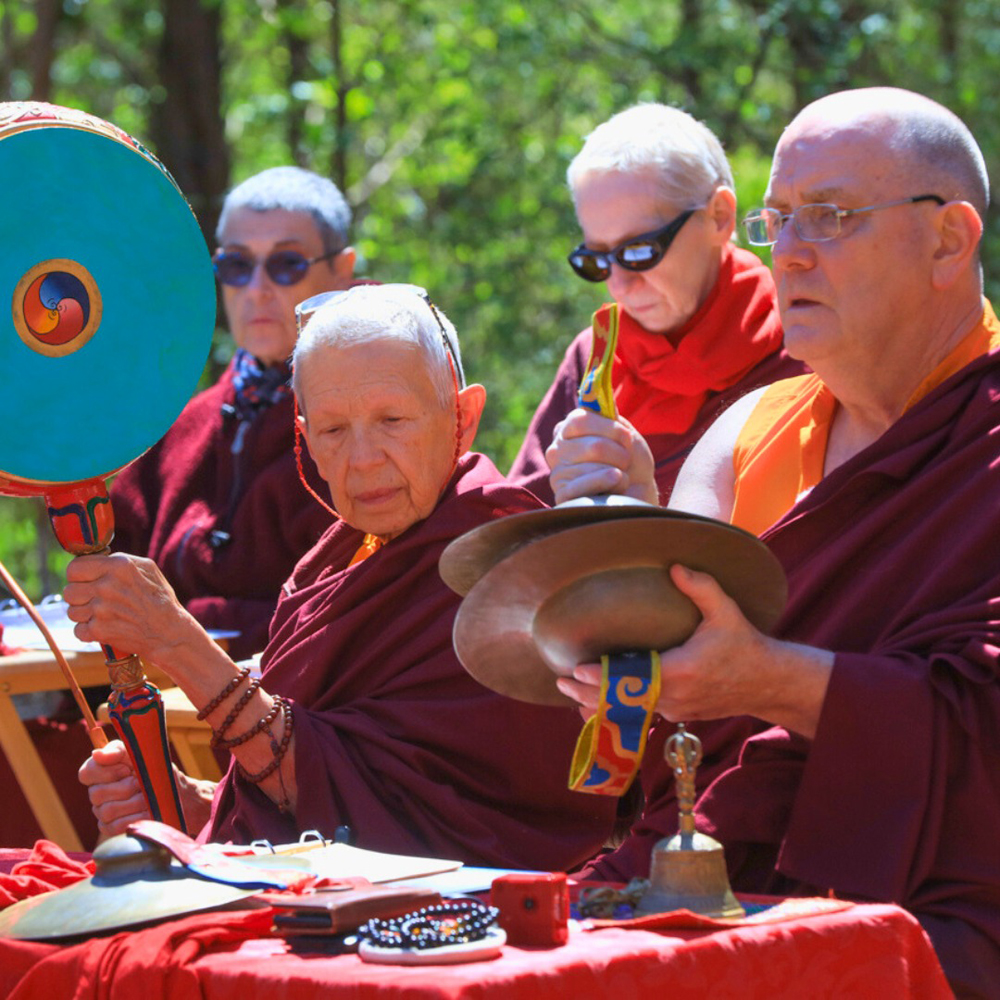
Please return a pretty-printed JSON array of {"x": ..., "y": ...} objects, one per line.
[{"x": 610, "y": 747}]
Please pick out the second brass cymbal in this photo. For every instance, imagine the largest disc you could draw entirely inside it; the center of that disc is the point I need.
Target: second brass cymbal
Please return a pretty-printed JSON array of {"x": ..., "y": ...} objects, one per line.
[
  {"x": 471, "y": 555},
  {"x": 569, "y": 597}
]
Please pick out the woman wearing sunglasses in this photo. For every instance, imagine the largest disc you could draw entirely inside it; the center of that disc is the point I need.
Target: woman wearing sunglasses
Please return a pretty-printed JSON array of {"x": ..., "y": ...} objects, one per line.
[
  {"x": 217, "y": 503},
  {"x": 698, "y": 321}
]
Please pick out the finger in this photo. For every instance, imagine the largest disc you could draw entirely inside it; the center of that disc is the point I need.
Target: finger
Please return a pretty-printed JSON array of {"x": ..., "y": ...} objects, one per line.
[
  {"x": 583, "y": 422},
  {"x": 585, "y": 481},
  {"x": 702, "y": 588},
  {"x": 586, "y": 695},
  {"x": 117, "y": 796},
  {"x": 87, "y": 569},
  {"x": 112, "y": 827}
]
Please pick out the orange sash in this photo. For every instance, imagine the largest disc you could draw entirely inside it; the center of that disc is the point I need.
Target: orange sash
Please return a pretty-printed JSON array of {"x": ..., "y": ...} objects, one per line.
[{"x": 781, "y": 450}]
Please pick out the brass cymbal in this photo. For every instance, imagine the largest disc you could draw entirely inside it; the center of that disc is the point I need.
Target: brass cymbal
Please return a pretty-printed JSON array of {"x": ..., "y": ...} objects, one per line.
[
  {"x": 569, "y": 597},
  {"x": 468, "y": 557},
  {"x": 136, "y": 882}
]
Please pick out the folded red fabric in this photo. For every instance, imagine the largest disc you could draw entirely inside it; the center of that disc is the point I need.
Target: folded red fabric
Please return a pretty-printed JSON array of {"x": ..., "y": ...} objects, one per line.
[{"x": 48, "y": 867}]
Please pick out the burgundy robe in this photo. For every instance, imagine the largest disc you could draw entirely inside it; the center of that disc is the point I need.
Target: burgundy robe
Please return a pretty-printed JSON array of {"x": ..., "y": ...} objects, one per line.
[
  {"x": 169, "y": 502},
  {"x": 893, "y": 564},
  {"x": 392, "y": 737}
]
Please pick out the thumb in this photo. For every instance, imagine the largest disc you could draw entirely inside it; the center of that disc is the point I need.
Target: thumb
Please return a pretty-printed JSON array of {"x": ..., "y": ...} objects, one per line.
[{"x": 702, "y": 588}]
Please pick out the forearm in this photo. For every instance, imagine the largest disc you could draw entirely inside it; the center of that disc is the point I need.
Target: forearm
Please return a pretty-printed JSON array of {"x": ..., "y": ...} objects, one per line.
[{"x": 790, "y": 691}]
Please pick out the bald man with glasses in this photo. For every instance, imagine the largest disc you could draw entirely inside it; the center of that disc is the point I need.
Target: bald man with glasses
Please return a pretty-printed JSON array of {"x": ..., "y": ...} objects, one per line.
[
  {"x": 876, "y": 482},
  {"x": 698, "y": 320}
]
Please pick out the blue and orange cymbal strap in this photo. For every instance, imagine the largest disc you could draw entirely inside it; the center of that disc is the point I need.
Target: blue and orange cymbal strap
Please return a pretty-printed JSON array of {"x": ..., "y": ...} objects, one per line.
[{"x": 610, "y": 747}]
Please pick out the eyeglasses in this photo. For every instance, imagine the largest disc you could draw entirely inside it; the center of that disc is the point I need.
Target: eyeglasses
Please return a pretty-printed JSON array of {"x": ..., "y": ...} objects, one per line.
[
  {"x": 305, "y": 310},
  {"x": 813, "y": 223},
  {"x": 283, "y": 267},
  {"x": 637, "y": 254}
]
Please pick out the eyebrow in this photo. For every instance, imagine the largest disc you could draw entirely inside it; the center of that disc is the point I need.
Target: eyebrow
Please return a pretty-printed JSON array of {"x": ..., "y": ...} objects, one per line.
[
  {"x": 820, "y": 196},
  {"x": 290, "y": 241}
]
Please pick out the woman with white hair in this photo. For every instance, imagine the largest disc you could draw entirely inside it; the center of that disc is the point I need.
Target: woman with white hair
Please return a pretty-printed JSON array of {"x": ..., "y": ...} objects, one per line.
[
  {"x": 363, "y": 715},
  {"x": 698, "y": 321}
]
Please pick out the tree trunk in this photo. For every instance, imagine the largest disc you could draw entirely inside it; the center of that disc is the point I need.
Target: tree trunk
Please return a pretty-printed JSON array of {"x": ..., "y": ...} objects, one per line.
[
  {"x": 43, "y": 48},
  {"x": 187, "y": 128}
]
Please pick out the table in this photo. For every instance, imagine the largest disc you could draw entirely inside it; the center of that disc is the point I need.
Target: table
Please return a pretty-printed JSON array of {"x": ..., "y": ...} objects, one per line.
[
  {"x": 25, "y": 673},
  {"x": 862, "y": 951}
]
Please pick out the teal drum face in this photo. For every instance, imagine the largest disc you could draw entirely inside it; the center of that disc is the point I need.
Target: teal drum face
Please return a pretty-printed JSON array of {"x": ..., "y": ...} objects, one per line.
[{"x": 107, "y": 288}]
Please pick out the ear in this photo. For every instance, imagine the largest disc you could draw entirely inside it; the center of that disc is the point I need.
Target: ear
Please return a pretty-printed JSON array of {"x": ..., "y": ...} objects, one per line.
[
  {"x": 958, "y": 230},
  {"x": 343, "y": 268},
  {"x": 471, "y": 401},
  {"x": 302, "y": 427},
  {"x": 721, "y": 213}
]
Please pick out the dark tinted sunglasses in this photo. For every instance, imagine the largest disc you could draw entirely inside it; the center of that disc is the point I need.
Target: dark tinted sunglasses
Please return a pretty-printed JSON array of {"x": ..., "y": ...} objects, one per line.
[
  {"x": 283, "y": 267},
  {"x": 637, "y": 254}
]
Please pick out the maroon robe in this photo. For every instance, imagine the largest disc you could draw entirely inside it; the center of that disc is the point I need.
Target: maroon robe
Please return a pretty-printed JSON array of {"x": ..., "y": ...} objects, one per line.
[
  {"x": 742, "y": 308},
  {"x": 392, "y": 737},
  {"x": 170, "y": 501},
  {"x": 892, "y": 562}
]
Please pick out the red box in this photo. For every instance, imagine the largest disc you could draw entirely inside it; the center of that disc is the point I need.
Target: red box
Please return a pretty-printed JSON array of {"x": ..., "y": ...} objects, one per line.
[{"x": 534, "y": 909}]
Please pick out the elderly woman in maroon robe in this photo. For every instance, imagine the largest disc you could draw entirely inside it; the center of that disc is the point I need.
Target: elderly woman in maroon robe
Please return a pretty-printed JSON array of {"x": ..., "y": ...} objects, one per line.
[
  {"x": 871, "y": 764},
  {"x": 363, "y": 715}
]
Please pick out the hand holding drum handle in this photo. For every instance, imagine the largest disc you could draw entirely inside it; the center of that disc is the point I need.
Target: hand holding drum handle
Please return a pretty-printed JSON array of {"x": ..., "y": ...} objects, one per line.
[{"x": 83, "y": 522}]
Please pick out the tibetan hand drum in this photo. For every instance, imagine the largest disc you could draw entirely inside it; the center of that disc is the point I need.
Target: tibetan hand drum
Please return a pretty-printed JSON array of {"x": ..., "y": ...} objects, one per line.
[
  {"x": 110, "y": 301},
  {"x": 108, "y": 291}
]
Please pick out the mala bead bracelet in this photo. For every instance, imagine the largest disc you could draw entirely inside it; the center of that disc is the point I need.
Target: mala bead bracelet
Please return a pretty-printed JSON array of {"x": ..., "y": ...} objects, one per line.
[
  {"x": 456, "y": 921},
  {"x": 278, "y": 749},
  {"x": 234, "y": 683},
  {"x": 261, "y": 724},
  {"x": 244, "y": 700}
]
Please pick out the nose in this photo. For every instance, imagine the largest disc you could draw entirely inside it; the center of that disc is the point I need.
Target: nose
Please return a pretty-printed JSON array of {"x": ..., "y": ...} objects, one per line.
[
  {"x": 365, "y": 450},
  {"x": 790, "y": 250},
  {"x": 620, "y": 280},
  {"x": 260, "y": 282}
]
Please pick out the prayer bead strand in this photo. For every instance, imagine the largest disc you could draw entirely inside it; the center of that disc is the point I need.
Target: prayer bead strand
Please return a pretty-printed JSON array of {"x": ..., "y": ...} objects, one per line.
[
  {"x": 278, "y": 749},
  {"x": 233, "y": 684},
  {"x": 244, "y": 700},
  {"x": 458, "y": 921}
]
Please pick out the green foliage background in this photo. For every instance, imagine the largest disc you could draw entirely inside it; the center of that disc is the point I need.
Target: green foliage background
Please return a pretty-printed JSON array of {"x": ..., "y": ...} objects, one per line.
[{"x": 450, "y": 124}]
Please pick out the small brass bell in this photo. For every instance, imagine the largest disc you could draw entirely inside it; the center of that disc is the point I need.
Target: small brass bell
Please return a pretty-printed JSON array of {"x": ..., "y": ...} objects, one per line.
[{"x": 688, "y": 870}]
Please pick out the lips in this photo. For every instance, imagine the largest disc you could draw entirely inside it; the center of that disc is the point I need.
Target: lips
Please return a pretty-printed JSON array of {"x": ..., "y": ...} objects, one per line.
[{"x": 376, "y": 497}]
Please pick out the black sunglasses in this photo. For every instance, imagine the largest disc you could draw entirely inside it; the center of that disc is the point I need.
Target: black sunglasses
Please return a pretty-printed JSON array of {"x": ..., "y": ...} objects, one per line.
[
  {"x": 283, "y": 267},
  {"x": 637, "y": 254}
]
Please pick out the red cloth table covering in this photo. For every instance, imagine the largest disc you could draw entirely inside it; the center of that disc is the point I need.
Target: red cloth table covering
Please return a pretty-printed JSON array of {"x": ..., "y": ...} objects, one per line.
[{"x": 864, "y": 951}]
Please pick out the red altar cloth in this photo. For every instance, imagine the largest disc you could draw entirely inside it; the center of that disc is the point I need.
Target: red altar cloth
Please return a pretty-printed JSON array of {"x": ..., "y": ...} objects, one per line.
[
  {"x": 864, "y": 951},
  {"x": 854, "y": 951}
]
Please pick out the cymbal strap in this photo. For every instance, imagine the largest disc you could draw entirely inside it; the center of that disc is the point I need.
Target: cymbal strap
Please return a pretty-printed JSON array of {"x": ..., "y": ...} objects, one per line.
[{"x": 611, "y": 744}]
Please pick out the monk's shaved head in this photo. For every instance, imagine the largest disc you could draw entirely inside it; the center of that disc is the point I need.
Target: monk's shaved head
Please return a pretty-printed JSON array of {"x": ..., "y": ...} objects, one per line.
[{"x": 928, "y": 145}]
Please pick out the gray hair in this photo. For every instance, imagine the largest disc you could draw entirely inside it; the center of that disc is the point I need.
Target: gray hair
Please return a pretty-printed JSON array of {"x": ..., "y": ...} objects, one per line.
[
  {"x": 686, "y": 158},
  {"x": 380, "y": 312},
  {"x": 293, "y": 189}
]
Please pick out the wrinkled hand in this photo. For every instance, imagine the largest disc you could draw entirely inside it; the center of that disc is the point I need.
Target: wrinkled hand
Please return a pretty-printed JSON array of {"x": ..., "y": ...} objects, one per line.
[
  {"x": 591, "y": 454},
  {"x": 115, "y": 793},
  {"x": 727, "y": 667},
  {"x": 124, "y": 601}
]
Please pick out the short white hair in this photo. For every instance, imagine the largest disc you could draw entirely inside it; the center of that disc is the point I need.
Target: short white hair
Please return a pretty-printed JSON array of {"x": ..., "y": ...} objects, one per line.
[
  {"x": 682, "y": 155},
  {"x": 380, "y": 312}
]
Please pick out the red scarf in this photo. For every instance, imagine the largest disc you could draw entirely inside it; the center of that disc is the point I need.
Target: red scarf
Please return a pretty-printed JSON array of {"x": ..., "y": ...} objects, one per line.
[{"x": 661, "y": 388}]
